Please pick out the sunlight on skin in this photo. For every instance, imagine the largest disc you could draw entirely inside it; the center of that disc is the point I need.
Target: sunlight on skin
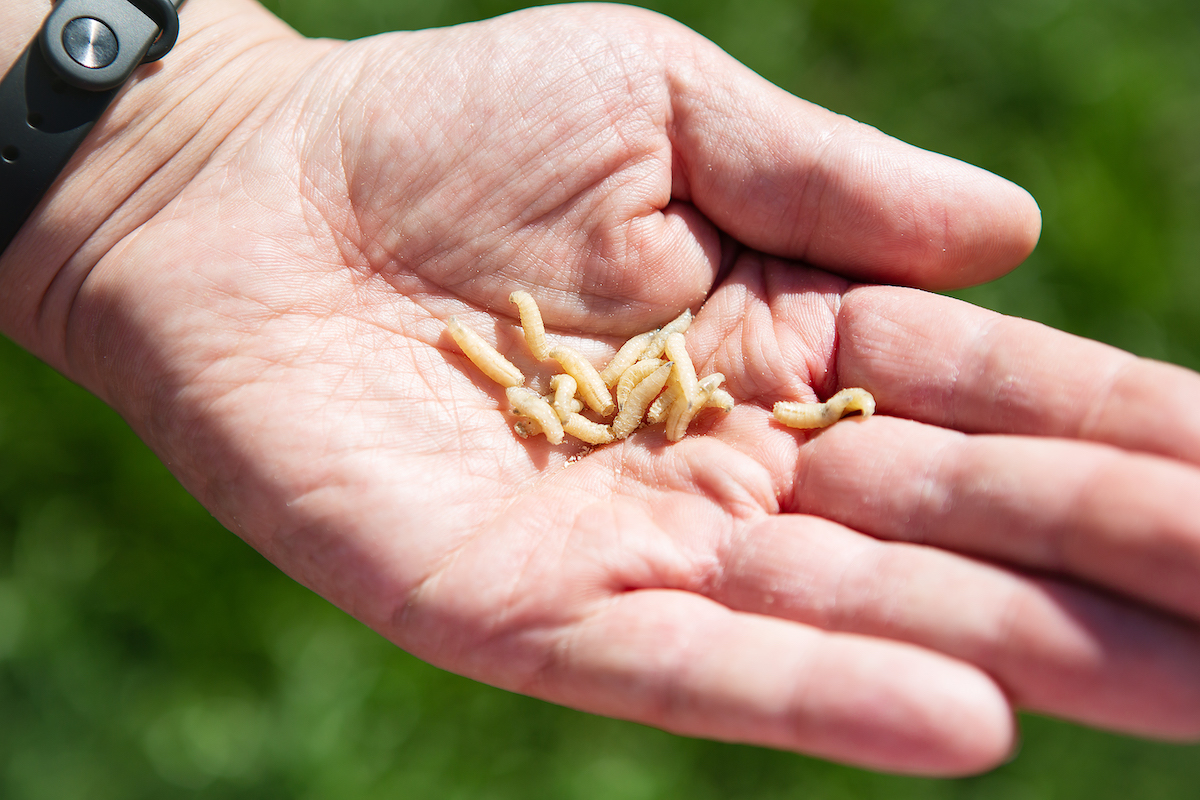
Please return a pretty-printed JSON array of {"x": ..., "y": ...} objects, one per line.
[{"x": 818, "y": 592}]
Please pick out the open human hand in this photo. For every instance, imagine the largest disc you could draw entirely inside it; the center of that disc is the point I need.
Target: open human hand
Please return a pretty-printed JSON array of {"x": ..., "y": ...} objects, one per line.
[{"x": 265, "y": 302}]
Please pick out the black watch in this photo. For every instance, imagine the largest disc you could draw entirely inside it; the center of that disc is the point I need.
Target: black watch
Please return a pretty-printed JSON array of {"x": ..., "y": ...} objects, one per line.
[{"x": 62, "y": 83}]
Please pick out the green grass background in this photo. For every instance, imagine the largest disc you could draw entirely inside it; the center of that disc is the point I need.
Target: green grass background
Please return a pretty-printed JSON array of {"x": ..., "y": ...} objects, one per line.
[{"x": 145, "y": 652}]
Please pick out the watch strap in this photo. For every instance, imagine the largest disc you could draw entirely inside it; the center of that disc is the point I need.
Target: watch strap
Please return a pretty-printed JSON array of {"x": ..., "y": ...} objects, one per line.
[{"x": 60, "y": 86}]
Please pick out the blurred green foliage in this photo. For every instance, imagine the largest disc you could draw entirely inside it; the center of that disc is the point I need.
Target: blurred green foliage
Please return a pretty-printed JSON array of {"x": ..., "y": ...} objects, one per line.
[{"x": 145, "y": 652}]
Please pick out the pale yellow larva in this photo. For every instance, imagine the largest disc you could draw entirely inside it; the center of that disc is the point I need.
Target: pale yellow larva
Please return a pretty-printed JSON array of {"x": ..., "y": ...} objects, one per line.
[
  {"x": 681, "y": 414},
  {"x": 537, "y": 409},
  {"x": 676, "y": 427},
  {"x": 719, "y": 398},
  {"x": 658, "y": 342},
  {"x": 629, "y": 353},
  {"x": 630, "y": 416},
  {"x": 662, "y": 404},
  {"x": 593, "y": 390},
  {"x": 711, "y": 382},
  {"x": 564, "y": 402},
  {"x": 685, "y": 371},
  {"x": 531, "y": 324},
  {"x": 586, "y": 430},
  {"x": 822, "y": 415},
  {"x": 484, "y": 356},
  {"x": 635, "y": 375}
]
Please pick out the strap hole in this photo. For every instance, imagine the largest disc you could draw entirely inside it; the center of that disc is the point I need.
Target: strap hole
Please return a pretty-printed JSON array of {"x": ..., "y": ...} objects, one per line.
[
  {"x": 35, "y": 119},
  {"x": 10, "y": 153}
]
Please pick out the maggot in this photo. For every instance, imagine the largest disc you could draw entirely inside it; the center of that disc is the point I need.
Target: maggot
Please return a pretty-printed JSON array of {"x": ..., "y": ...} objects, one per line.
[
  {"x": 631, "y": 413},
  {"x": 585, "y": 430},
  {"x": 625, "y": 358},
  {"x": 662, "y": 404},
  {"x": 536, "y": 408},
  {"x": 484, "y": 356},
  {"x": 685, "y": 371},
  {"x": 593, "y": 390},
  {"x": 564, "y": 402},
  {"x": 681, "y": 414},
  {"x": 635, "y": 375},
  {"x": 658, "y": 339},
  {"x": 531, "y": 324},
  {"x": 822, "y": 415}
]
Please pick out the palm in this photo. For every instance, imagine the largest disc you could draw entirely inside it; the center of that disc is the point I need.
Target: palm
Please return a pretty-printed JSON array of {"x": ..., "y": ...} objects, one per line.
[{"x": 306, "y": 392}]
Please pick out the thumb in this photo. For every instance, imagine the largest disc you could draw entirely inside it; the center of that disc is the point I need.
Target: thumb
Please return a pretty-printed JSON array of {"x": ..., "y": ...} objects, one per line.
[{"x": 793, "y": 179}]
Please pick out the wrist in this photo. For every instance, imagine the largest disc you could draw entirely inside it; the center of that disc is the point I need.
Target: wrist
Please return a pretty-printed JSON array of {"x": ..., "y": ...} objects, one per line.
[{"x": 168, "y": 121}]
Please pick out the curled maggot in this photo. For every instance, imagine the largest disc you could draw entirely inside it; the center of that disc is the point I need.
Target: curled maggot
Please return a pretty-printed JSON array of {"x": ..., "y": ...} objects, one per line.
[
  {"x": 529, "y": 403},
  {"x": 807, "y": 416}
]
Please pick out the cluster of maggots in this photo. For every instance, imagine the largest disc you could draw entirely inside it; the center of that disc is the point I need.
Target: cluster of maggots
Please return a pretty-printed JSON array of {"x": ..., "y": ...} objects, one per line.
[{"x": 651, "y": 379}]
